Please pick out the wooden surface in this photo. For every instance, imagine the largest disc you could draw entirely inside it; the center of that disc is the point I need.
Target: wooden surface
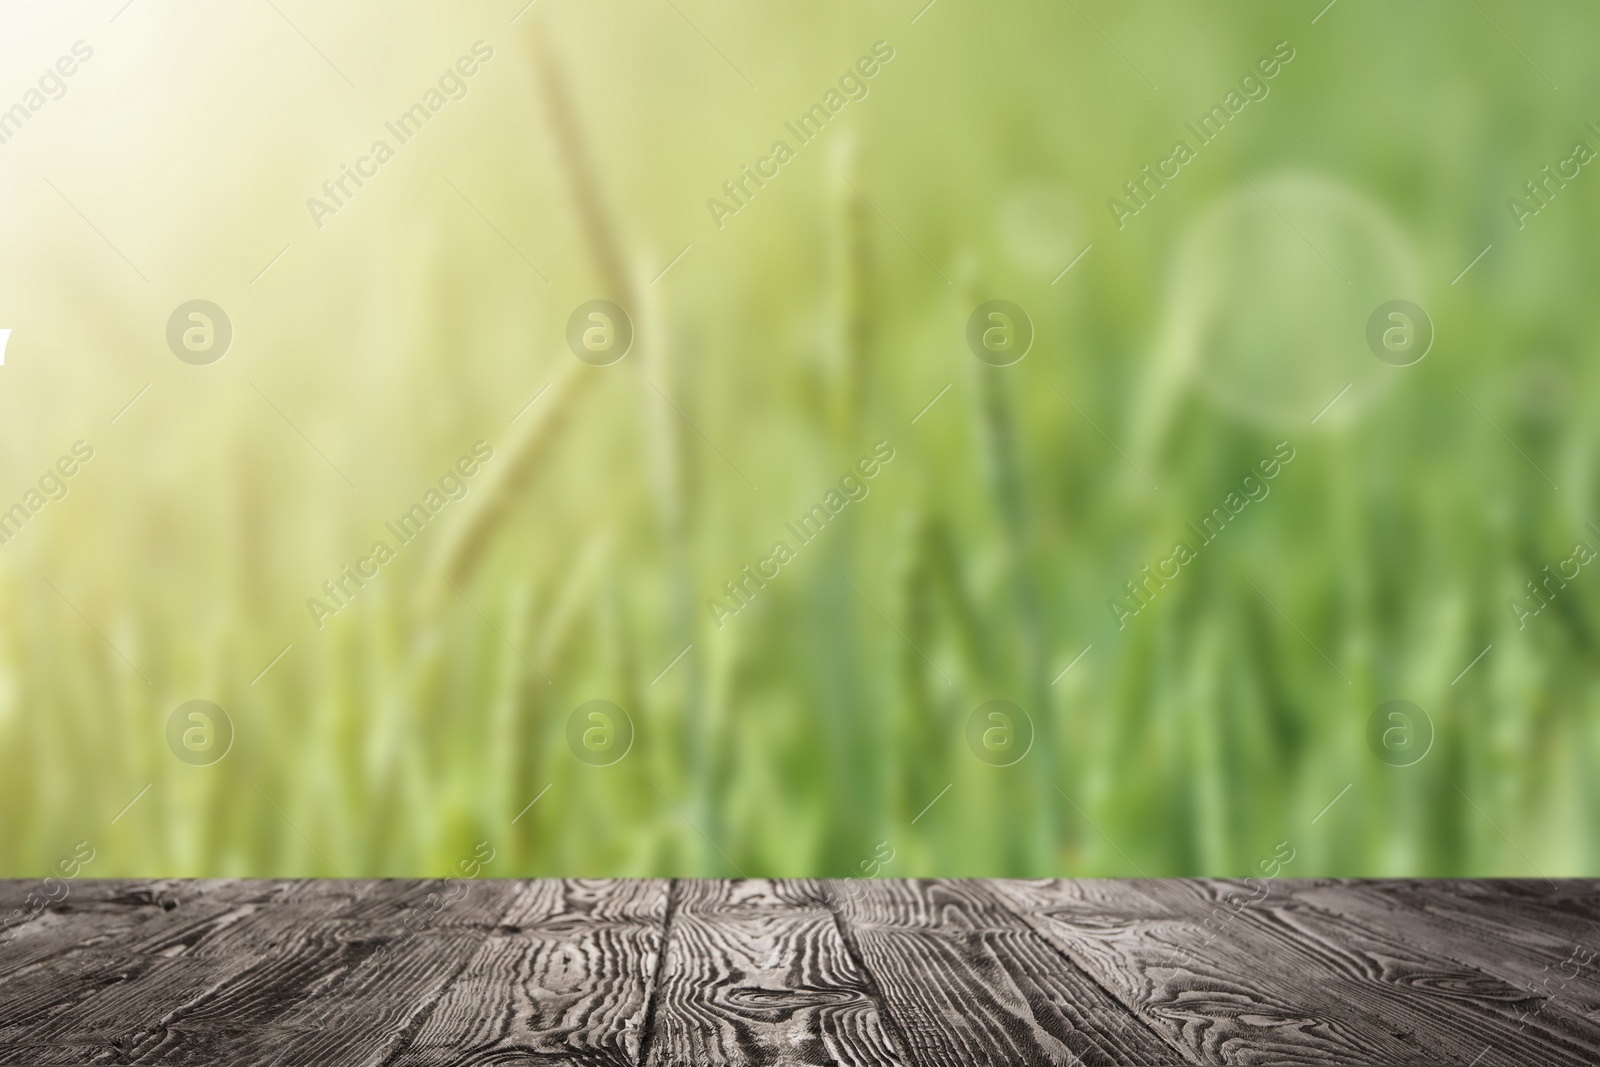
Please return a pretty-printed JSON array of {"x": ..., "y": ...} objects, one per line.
[{"x": 858, "y": 973}]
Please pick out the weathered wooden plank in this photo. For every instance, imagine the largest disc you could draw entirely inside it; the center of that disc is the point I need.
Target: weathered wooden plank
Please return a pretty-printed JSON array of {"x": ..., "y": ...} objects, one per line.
[
  {"x": 102, "y": 912},
  {"x": 965, "y": 981},
  {"x": 757, "y": 973},
  {"x": 24, "y": 900},
  {"x": 1353, "y": 983},
  {"x": 1217, "y": 992},
  {"x": 149, "y": 960},
  {"x": 1552, "y": 965},
  {"x": 1565, "y": 912},
  {"x": 102, "y": 934},
  {"x": 322, "y": 972},
  {"x": 1457, "y": 1009},
  {"x": 389, "y": 974},
  {"x": 566, "y": 978},
  {"x": 334, "y": 982}
]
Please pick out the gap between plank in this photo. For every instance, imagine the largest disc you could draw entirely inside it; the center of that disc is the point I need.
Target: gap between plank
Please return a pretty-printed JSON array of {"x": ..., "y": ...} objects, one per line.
[
  {"x": 649, "y": 1023},
  {"x": 891, "y": 1026}
]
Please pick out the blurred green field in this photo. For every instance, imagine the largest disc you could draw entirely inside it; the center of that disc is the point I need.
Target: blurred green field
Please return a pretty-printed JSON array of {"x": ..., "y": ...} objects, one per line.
[{"x": 817, "y": 725}]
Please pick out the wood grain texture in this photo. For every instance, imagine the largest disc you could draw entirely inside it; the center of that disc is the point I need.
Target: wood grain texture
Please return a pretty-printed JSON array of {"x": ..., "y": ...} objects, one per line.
[
  {"x": 101, "y": 938},
  {"x": 1184, "y": 957},
  {"x": 1236, "y": 971},
  {"x": 1539, "y": 967},
  {"x": 1458, "y": 1005},
  {"x": 262, "y": 978},
  {"x": 565, "y": 978},
  {"x": 967, "y": 982},
  {"x": 757, "y": 973},
  {"x": 868, "y": 973}
]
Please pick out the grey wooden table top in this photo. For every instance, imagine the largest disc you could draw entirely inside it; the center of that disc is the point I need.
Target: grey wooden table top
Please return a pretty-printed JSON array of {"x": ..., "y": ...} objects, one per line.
[{"x": 799, "y": 972}]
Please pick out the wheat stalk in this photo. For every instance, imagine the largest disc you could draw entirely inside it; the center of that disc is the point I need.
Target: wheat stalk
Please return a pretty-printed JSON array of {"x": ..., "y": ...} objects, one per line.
[
  {"x": 527, "y": 452},
  {"x": 998, "y": 432}
]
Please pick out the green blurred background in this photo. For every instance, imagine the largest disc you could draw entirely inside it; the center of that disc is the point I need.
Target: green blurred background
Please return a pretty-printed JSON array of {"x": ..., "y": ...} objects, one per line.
[{"x": 810, "y": 733}]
